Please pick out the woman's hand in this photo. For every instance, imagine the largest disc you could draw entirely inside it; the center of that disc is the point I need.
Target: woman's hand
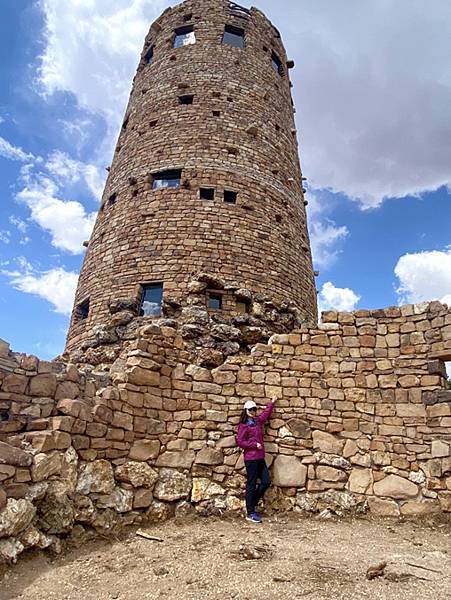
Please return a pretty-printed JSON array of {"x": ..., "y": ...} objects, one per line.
[
  {"x": 259, "y": 446},
  {"x": 274, "y": 399}
]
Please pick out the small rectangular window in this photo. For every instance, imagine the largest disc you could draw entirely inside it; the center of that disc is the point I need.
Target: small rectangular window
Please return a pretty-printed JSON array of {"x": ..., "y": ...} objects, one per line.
[
  {"x": 230, "y": 197},
  {"x": 167, "y": 179},
  {"x": 207, "y": 193},
  {"x": 187, "y": 17},
  {"x": 187, "y": 99},
  {"x": 233, "y": 36},
  {"x": 216, "y": 113},
  {"x": 242, "y": 308},
  {"x": 112, "y": 199},
  {"x": 82, "y": 311},
  {"x": 151, "y": 300},
  {"x": 148, "y": 56},
  {"x": 184, "y": 36},
  {"x": 277, "y": 64},
  {"x": 214, "y": 301}
]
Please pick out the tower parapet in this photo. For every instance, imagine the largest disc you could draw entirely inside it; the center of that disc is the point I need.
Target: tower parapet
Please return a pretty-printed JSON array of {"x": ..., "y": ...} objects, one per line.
[{"x": 204, "y": 203}]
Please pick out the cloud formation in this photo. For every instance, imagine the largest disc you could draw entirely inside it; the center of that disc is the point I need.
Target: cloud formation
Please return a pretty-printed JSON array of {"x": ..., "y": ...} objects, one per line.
[
  {"x": 11, "y": 152},
  {"x": 424, "y": 276},
  {"x": 56, "y": 286},
  {"x": 335, "y": 298}
]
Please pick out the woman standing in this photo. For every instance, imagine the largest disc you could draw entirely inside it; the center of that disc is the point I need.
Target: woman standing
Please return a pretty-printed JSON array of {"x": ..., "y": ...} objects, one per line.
[{"x": 250, "y": 439}]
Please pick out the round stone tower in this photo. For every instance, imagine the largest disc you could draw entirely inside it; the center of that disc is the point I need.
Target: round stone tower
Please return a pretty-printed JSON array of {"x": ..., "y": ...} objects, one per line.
[{"x": 205, "y": 177}]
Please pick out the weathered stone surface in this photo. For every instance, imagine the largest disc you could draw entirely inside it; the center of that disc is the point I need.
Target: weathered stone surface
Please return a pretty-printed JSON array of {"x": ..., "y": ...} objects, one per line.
[
  {"x": 172, "y": 485},
  {"x": 137, "y": 474},
  {"x": 299, "y": 428},
  {"x": 2, "y": 498},
  {"x": 15, "y": 383},
  {"x": 10, "y": 550},
  {"x": 424, "y": 507},
  {"x": 383, "y": 508},
  {"x": 445, "y": 501},
  {"x": 10, "y": 455},
  {"x": 205, "y": 489},
  {"x": 120, "y": 500},
  {"x": 360, "y": 481},
  {"x": 177, "y": 460},
  {"x": 158, "y": 512},
  {"x": 46, "y": 465},
  {"x": 56, "y": 511},
  {"x": 96, "y": 477},
  {"x": 16, "y": 517},
  {"x": 330, "y": 474},
  {"x": 395, "y": 487},
  {"x": 327, "y": 443},
  {"x": 143, "y": 450},
  {"x": 43, "y": 385},
  {"x": 145, "y": 377},
  {"x": 143, "y": 498},
  {"x": 209, "y": 456},
  {"x": 440, "y": 449},
  {"x": 288, "y": 471}
]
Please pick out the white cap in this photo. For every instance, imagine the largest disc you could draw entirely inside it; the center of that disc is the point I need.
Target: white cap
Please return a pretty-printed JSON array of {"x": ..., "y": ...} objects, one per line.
[{"x": 249, "y": 404}]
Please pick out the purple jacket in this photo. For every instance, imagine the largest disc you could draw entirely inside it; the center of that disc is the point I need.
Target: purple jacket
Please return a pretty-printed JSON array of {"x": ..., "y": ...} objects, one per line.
[{"x": 248, "y": 436}]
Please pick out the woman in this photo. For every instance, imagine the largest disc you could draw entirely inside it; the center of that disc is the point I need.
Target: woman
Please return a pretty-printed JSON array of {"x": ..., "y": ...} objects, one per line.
[{"x": 250, "y": 439}]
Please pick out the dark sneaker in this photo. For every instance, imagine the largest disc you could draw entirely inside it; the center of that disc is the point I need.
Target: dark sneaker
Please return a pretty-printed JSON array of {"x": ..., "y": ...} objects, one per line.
[{"x": 253, "y": 518}]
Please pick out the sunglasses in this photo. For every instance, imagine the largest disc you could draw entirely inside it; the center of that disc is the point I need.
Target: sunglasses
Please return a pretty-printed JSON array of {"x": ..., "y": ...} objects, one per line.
[{"x": 252, "y": 410}]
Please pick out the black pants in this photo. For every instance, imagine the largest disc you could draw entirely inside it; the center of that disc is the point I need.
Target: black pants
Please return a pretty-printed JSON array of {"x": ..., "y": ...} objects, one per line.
[{"x": 256, "y": 471}]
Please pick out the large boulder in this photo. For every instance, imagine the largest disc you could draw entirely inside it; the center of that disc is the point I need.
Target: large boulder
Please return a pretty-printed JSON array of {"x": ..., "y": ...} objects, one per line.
[
  {"x": 209, "y": 456},
  {"x": 10, "y": 455},
  {"x": 176, "y": 460},
  {"x": 96, "y": 477},
  {"x": 120, "y": 500},
  {"x": 137, "y": 474},
  {"x": 288, "y": 471},
  {"x": 360, "y": 481},
  {"x": 327, "y": 443},
  {"x": 46, "y": 465},
  {"x": 56, "y": 511},
  {"x": 172, "y": 485}
]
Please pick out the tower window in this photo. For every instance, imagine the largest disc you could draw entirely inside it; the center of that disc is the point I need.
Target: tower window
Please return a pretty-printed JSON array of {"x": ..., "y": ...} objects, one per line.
[
  {"x": 82, "y": 311},
  {"x": 148, "y": 56},
  {"x": 112, "y": 199},
  {"x": 187, "y": 17},
  {"x": 187, "y": 99},
  {"x": 233, "y": 36},
  {"x": 214, "y": 300},
  {"x": 207, "y": 193},
  {"x": 243, "y": 307},
  {"x": 151, "y": 300},
  {"x": 277, "y": 64},
  {"x": 184, "y": 36},
  {"x": 230, "y": 197},
  {"x": 167, "y": 179},
  {"x": 216, "y": 113}
]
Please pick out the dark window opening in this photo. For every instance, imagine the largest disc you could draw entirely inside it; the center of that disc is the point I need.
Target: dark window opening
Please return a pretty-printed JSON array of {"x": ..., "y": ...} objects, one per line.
[
  {"x": 153, "y": 123},
  {"x": 82, "y": 311},
  {"x": 151, "y": 300},
  {"x": 187, "y": 18},
  {"x": 112, "y": 199},
  {"x": 207, "y": 194},
  {"x": 230, "y": 99},
  {"x": 232, "y": 151},
  {"x": 233, "y": 36},
  {"x": 148, "y": 56},
  {"x": 277, "y": 127},
  {"x": 125, "y": 123},
  {"x": 4, "y": 415},
  {"x": 187, "y": 99},
  {"x": 230, "y": 197},
  {"x": 448, "y": 375},
  {"x": 166, "y": 179},
  {"x": 277, "y": 64},
  {"x": 216, "y": 113},
  {"x": 214, "y": 301},
  {"x": 265, "y": 49},
  {"x": 184, "y": 36},
  {"x": 239, "y": 11}
]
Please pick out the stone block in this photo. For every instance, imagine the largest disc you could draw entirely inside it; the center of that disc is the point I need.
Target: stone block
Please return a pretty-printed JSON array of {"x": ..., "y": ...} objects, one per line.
[
  {"x": 172, "y": 485},
  {"x": 288, "y": 471},
  {"x": 440, "y": 449},
  {"x": 14, "y": 383},
  {"x": 330, "y": 474},
  {"x": 144, "y": 450},
  {"x": 96, "y": 477},
  {"x": 177, "y": 460},
  {"x": 145, "y": 377},
  {"x": 43, "y": 385},
  {"x": 383, "y": 508},
  {"x": 209, "y": 456},
  {"x": 327, "y": 443},
  {"x": 360, "y": 481},
  {"x": 395, "y": 487},
  {"x": 137, "y": 474},
  {"x": 11, "y": 455}
]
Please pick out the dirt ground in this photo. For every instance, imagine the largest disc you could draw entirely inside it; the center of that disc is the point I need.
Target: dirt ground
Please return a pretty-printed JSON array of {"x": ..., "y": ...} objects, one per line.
[{"x": 212, "y": 559}]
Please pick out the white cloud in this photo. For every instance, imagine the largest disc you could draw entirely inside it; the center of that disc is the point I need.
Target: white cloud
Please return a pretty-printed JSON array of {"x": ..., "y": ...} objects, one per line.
[
  {"x": 68, "y": 170},
  {"x": 424, "y": 276},
  {"x": 334, "y": 298},
  {"x": 11, "y": 152},
  {"x": 92, "y": 50},
  {"x": 326, "y": 236},
  {"x": 66, "y": 220},
  {"x": 57, "y": 286},
  {"x": 18, "y": 223}
]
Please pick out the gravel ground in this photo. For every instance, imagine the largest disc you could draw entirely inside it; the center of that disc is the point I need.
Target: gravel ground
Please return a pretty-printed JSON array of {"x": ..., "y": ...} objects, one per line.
[{"x": 212, "y": 559}]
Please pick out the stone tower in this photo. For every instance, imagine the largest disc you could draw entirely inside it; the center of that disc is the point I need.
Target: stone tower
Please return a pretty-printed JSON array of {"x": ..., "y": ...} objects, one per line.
[{"x": 205, "y": 179}]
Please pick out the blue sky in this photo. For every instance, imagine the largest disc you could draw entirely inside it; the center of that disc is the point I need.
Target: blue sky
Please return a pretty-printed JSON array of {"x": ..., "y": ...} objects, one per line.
[{"x": 373, "y": 98}]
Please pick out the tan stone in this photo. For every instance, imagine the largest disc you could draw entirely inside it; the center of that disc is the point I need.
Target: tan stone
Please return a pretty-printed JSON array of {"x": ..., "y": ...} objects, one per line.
[
  {"x": 14, "y": 456},
  {"x": 424, "y": 507},
  {"x": 144, "y": 450},
  {"x": 180, "y": 460},
  {"x": 288, "y": 471},
  {"x": 440, "y": 449},
  {"x": 360, "y": 481},
  {"x": 16, "y": 517},
  {"x": 96, "y": 477},
  {"x": 137, "y": 474},
  {"x": 209, "y": 456},
  {"x": 395, "y": 487},
  {"x": 43, "y": 385},
  {"x": 383, "y": 508},
  {"x": 327, "y": 443},
  {"x": 172, "y": 485},
  {"x": 445, "y": 501},
  {"x": 330, "y": 474},
  {"x": 14, "y": 383},
  {"x": 145, "y": 377},
  {"x": 143, "y": 499},
  {"x": 205, "y": 489},
  {"x": 46, "y": 465}
]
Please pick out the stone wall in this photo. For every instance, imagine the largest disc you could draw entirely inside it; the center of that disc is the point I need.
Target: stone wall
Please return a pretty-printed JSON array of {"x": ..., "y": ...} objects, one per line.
[
  {"x": 362, "y": 423},
  {"x": 238, "y": 135}
]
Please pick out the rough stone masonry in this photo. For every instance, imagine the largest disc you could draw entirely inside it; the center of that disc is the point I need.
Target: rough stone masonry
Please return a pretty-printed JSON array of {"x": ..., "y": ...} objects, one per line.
[{"x": 136, "y": 422}]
